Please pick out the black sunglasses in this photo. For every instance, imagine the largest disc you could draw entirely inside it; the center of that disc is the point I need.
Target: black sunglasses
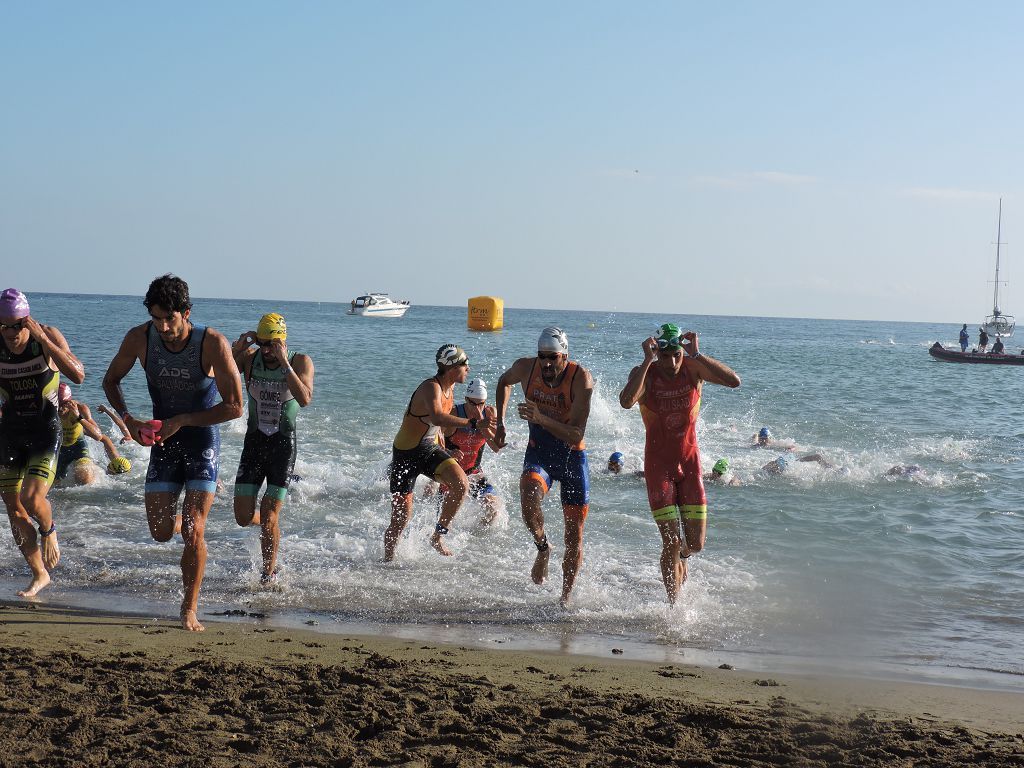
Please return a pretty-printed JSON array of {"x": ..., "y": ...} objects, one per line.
[{"x": 548, "y": 355}]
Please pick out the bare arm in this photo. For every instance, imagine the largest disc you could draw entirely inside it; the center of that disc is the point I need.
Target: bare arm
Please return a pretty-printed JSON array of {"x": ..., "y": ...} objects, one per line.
[
  {"x": 300, "y": 379},
  {"x": 89, "y": 425},
  {"x": 118, "y": 422},
  {"x": 515, "y": 375},
  {"x": 132, "y": 348},
  {"x": 707, "y": 368},
  {"x": 57, "y": 351},
  {"x": 242, "y": 351},
  {"x": 634, "y": 389}
]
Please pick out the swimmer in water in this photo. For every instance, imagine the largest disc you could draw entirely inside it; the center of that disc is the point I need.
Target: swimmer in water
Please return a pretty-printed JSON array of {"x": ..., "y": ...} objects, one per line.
[{"x": 76, "y": 424}]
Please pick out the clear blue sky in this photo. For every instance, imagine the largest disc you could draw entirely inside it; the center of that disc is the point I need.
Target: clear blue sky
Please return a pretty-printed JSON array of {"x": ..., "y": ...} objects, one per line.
[{"x": 808, "y": 159}]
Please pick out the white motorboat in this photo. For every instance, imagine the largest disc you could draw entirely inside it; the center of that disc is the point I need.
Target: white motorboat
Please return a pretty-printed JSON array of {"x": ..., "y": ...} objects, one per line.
[
  {"x": 998, "y": 323},
  {"x": 378, "y": 305}
]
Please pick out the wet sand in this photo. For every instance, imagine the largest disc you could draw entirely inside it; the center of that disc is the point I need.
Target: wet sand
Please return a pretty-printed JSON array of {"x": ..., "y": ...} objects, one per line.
[{"x": 81, "y": 688}]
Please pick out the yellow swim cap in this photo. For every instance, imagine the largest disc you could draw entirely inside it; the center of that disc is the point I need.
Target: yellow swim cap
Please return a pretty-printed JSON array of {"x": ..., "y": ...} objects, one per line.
[
  {"x": 119, "y": 465},
  {"x": 272, "y": 327}
]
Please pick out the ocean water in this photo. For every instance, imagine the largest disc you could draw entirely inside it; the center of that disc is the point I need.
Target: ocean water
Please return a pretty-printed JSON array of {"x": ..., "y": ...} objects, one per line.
[{"x": 845, "y": 569}]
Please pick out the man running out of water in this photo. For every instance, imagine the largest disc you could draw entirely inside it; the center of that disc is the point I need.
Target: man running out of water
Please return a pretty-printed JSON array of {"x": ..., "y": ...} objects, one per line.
[
  {"x": 32, "y": 358},
  {"x": 278, "y": 382},
  {"x": 194, "y": 386},
  {"x": 668, "y": 387},
  {"x": 418, "y": 449},
  {"x": 557, "y": 407},
  {"x": 77, "y": 424}
]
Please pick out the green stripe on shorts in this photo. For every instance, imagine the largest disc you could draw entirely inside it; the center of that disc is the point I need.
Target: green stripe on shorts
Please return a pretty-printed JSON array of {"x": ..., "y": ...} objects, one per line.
[{"x": 666, "y": 513}]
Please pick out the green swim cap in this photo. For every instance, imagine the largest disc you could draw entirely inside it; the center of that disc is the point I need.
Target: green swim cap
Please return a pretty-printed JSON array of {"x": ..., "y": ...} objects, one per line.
[
  {"x": 668, "y": 336},
  {"x": 721, "y": 466}
]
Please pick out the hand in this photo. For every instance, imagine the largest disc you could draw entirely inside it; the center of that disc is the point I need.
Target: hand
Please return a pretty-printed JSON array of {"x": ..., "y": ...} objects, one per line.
[
  {"x": 456, "y": 454},
  {"x": 489, "y": 423},
  {"x": 499, "y": 436},
  {"x": 169, "y": 427},
  {"x": 692, "y": 349},
  {"x": 650, "y": 347},
  {"x": 36, "y": 331},
  {"x": 133, "y": 425},
  {"x": 529, "y": 411},
  {"x": 280, "y": 350},
  {"x": 244, "y": 341}
]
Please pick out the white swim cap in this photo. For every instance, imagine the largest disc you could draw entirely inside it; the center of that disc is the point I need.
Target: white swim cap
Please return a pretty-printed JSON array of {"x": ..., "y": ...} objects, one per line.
[
  {"x": 476, "y": 389},
  {"x": 553, "y": 339}
]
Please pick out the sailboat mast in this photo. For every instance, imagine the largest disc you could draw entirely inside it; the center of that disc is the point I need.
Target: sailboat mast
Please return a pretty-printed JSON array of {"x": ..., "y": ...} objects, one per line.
[{"x": 999, "y": 233}]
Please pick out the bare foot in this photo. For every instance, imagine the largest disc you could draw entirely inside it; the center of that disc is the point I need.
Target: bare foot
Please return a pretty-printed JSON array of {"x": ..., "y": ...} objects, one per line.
[
  {"x": 436, "y": 543},
  {"x": 50, "y": 550},
  {"x": 563, "y": 601},
  {"x": 189, "y": 621},
  {"x": 37, "y": 584},
  {"x": 539, "y": 572}
]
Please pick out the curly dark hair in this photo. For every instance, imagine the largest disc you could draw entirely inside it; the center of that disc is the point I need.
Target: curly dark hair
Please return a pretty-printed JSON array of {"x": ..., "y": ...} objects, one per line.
[{"x": 168, "y": 292}]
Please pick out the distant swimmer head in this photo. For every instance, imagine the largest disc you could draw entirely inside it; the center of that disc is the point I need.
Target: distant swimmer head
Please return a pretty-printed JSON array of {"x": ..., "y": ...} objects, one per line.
[
  {"x": 764, "y": 435},
  {"x": 450, "y": 355},
  {"x": 669, "y": 336},
  {"x": 119, "y": 465},
  {"x": 553, "y": 339},
  {"x": 616, "y": 462},
  {"x": 721, "y": 467},
  {"x": 783, "y": 461},
  {"x": 476, "y": 390},
  {"x": 271, "y": 328},
  {"x": 63, "y": 393},
  {"x": 13, "y": 304}
]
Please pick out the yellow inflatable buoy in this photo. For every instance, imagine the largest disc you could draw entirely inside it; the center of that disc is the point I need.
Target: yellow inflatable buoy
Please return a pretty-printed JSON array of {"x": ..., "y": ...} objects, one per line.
[{"x": 486, "y": 313}]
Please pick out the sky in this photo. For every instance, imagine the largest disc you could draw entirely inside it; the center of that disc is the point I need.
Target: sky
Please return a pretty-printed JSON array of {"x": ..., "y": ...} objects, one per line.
[{"x": 793, "y": 159}]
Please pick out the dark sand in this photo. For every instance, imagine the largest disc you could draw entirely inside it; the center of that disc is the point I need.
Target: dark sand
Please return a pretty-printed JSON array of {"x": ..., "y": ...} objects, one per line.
[{"x": 79, "y": 688}]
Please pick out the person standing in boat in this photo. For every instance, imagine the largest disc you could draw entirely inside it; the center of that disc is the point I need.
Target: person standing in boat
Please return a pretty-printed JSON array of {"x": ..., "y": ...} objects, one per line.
[
  {"x": 965, "y": 338},
  {"x": 982, "y": 340}
]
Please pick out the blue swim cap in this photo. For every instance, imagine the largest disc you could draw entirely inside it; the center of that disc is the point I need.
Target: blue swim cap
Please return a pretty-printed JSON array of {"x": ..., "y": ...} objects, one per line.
[
  {"x": 784, "y": 461},
  {"x": 764, "y": 433},
  {"x": 616, "y": 458}
]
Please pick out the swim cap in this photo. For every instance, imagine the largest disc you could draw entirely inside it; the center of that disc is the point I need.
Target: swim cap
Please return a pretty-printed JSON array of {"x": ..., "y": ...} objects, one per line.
[
  {"x": 764, "y": 433},
  {"x": 476, "y": 389},
  {"x": 783, "y": 461},
  {"x": 63, "y": 393},
  {"x": 272, "y": 327},
  {"x": 119, "y": 465},
  {"x": 669, "y": 333},
  {"x": 450, "y": 355},
  {"x": 553, "y": 339},
  {"x": 617, "y": 458},
  {"x": 721, "y": 466},
  {"x": 13, "y": 303}
]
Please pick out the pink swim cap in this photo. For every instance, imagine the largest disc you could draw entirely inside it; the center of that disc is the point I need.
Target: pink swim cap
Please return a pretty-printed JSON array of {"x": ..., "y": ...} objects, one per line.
[
  {"x": 63, "y": 393},
  {"x": 13, "y": 303}
]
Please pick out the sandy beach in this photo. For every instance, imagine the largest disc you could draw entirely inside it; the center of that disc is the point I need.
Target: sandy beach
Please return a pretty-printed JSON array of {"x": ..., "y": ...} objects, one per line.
[{"x": 81, "y": 688}]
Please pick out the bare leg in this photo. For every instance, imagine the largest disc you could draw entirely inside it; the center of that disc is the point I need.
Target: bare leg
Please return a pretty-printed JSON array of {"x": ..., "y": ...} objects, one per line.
[
  {"x": 401, "y": 514},
  {"x": 696, "y": 533},
  {"x": 25, "y": 537},
  {"x": 270, "y": 534},
  {"x": 531, "y": 494},
  {"x": 493, "y": 507},
  {"x": 193, "y": 558},
  {"x": 450, "y": 474},
  {"x": 574, "y": 516},
  {"x": 245, "y": 511},
  {"x": 34, "y": 501},
  {"x": 672, "y": 573}
]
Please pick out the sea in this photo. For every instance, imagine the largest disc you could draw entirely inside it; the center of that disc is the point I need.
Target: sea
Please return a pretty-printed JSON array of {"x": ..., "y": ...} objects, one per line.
[{"x": 846, "y": 570}]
